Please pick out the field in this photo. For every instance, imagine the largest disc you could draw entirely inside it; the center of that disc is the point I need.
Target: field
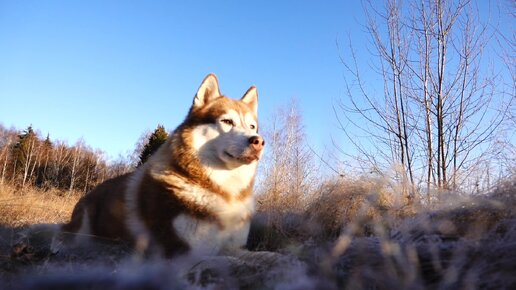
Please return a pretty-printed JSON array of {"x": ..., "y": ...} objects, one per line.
[{"x": 345, "y": 237}]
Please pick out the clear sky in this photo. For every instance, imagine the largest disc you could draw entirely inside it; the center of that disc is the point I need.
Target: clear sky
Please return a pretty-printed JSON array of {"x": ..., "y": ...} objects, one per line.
[{"x": 107, "y": 71}]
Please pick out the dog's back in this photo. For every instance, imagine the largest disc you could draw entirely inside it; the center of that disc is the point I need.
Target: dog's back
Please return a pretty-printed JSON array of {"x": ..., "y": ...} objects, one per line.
[{"x": 102, "y": 212}]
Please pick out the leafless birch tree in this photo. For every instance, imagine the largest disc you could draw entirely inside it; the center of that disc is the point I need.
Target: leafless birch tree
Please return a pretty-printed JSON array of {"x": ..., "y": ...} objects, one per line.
[
  {"x": 7, "y": 139},
  {"x": 288, "y": 167},
  {"x": 76, "y": 158},
  {"x": 440, "y": 108}
]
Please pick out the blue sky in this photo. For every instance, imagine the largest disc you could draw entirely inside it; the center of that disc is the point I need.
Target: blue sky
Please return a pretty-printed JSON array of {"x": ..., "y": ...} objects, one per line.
[{"x": 107, "y": 71}]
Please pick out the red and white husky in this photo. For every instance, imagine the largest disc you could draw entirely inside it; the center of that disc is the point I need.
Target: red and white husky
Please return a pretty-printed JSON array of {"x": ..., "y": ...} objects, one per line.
[{"x": 194, "y": 195}]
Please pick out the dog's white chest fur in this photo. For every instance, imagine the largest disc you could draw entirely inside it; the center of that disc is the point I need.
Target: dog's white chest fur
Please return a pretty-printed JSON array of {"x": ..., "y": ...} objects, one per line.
[{"x": 208, "y": 237}]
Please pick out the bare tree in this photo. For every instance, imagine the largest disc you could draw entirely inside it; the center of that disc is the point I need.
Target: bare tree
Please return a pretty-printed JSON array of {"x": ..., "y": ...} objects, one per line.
[
  {"x": 288, "y": 163},
  {"x": 61, "y": 157},
  {"x": 5, "y": 157},
  {"x": 440, "y": 108},
  {"x": 120, "y": 166},
  {"x": 44, "y": 162},
  {"x": 25, "y": 154},
  {"x": 7, "y": 138},
  {"x": 76, "y": 158}
]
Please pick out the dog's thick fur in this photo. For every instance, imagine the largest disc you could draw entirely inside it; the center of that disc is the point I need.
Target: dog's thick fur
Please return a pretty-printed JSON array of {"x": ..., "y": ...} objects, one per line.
[{"x": 194, "y": 195}]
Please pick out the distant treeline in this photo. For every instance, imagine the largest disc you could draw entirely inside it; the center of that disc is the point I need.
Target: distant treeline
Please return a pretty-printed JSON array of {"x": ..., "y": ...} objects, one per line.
[{"x": 28, "y": 159}]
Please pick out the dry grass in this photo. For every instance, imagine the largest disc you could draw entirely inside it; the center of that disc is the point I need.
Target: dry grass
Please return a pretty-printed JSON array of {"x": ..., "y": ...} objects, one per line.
[
  {"x": 349, "y": 234},
  {"x": 20, "y": 207}
]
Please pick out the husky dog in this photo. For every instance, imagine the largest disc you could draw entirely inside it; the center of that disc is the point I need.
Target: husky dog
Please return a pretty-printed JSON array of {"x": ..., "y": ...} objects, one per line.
[{"x": 194, "y": 195}]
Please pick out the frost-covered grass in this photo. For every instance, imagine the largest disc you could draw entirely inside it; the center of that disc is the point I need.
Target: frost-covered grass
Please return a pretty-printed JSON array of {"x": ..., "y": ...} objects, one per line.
[{"x": 347, "y": 235}]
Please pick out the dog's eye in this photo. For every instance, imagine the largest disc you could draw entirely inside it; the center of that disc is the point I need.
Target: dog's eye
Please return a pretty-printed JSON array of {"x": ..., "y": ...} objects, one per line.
[
  {"x": 252, "y": 127},
  {"x": 228, "y": 122}
]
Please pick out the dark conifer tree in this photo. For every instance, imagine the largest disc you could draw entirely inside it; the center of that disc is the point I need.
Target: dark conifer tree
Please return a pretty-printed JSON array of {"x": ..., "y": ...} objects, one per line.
[{"x": 158, "y": 137}]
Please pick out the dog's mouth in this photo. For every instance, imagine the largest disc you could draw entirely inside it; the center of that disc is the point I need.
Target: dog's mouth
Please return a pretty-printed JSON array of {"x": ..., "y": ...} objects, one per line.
[
  {"x": 229, "y": 155},
  {"x": 244, "y": 158}
]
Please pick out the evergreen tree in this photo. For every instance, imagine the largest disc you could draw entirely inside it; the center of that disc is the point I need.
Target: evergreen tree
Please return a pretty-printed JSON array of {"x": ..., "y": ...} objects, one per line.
[
  {"x": 24, "y": 139},
  {"x": 158, "y": 137}
]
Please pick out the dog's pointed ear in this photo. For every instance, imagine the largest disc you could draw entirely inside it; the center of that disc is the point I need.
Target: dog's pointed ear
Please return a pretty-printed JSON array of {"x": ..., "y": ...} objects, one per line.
[
  {"x": 251, "y": 98},
  {"x": 208, "y": 91}
]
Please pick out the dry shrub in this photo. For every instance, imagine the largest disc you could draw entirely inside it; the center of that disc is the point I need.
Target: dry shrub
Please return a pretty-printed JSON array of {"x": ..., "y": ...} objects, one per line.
[
  {"x": 466, "y": 243},
  {"x": 341, "y": 202},
  {"x": 280, "y": 220},
  {"x": 505, "y": 192},
  {"x": 26, "y": 206},
  {"x": 287, "y": 220},
  {"x": 280, "y": 202},
  {"x": 358, "y": 235},
  {"x": 472, "y": 216}
]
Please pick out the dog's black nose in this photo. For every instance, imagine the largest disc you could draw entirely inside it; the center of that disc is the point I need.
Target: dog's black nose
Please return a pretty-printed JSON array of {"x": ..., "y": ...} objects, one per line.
[{"x": 256, "y": 142}]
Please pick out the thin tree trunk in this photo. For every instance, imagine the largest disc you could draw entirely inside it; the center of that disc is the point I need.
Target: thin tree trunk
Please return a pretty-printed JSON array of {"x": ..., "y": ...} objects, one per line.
[
  {"x": 5, "y": 152},
  {"x": 427, "y": 104},
  {"x": 36, "y": 162},
  {"x": 76, "y": 158},
  {"x": 442, "y": 179},
  {"x": 26, "y": 166}
]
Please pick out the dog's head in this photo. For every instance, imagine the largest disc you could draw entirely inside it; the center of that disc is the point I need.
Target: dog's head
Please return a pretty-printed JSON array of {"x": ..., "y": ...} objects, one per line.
[{"x": 225, "y": 131}]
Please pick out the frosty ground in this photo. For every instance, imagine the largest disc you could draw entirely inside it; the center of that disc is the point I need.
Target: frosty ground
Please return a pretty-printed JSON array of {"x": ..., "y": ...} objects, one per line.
[{"x": 347, "y": 238}]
